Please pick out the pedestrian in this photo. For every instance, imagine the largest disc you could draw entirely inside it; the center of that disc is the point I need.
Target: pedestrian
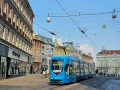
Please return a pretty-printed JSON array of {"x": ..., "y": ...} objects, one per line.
[{"x": 35, "y": 68}]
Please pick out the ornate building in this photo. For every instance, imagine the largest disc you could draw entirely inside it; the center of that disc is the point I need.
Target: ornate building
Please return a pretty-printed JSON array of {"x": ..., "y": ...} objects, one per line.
[
  {"x": 74, "y": 51},
  {"x": 16, "y": 21},
  {"x": 108, "y": 61},
  {"x": 61, "y": 50}
]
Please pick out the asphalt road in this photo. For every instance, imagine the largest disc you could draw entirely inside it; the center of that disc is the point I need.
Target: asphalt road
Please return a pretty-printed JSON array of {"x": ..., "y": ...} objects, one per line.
[{"x": 95, "y": 83}]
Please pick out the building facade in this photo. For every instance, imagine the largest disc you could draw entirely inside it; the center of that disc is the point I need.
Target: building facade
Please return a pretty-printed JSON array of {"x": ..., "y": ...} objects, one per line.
[
  {"x": 16, "y": 18},
  {"x": 88, "y": 58},
  {"x": 75, "y": 52},
  {"x": 47, "y": 52},
  {"x": 37, "y": 52},
  {"x": 109, "y": 61},
  {"x": 60, "y": 50}
]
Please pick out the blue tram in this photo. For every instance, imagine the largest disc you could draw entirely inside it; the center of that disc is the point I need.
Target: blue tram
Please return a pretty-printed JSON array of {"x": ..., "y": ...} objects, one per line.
[{"x": 67, "y": 69}]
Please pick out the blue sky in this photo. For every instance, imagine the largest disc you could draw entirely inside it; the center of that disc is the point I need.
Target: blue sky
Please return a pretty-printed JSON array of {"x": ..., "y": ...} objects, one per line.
[{"x": 108, "y": 37}]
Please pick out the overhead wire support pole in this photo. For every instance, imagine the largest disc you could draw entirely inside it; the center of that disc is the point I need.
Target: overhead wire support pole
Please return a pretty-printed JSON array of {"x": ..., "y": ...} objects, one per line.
[{"x": 105, "y": 65}]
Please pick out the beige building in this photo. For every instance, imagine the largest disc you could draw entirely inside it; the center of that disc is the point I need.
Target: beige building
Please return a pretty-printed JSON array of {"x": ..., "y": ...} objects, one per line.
[
  {"x": 37, "y": 52},
  {"x": 88, "y": 58},
  {"x": 109, "y": 61},
  {"x": 16, "y": 21}
]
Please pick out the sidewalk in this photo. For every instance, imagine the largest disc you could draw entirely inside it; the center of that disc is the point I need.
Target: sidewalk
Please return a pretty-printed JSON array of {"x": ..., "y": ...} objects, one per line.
[
  {"x": 113, "y": 84},
  {"x": 28, "y": 80}
]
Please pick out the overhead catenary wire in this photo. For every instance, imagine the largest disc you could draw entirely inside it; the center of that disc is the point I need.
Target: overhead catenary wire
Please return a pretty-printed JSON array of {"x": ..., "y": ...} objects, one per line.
[
  {"x": 45, "y": 29},
  {"x": 76, "y": 23},
  {"x": 48, "y": 30},
  {"x": 86, "y": 14}
]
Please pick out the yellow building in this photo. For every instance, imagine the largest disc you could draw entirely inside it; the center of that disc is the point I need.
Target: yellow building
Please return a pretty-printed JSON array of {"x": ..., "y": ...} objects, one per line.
[{"x": 61, "y": 50}]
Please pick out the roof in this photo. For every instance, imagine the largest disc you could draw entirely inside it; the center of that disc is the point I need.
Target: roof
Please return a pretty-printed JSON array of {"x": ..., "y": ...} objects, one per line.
[
  {"x": 86, "y": 55},
  {"x": 109, "y": 52},
  {"x": 46, "y": 39}
]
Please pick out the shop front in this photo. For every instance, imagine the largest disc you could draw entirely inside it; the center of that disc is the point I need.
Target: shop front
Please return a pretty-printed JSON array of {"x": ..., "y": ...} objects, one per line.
[
  {"x": 18, "y": 63},
  {"x": 3, "y": 60}
]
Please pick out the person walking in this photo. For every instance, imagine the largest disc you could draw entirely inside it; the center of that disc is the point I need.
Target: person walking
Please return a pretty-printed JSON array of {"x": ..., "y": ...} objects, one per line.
[{"x": 35, "y": 69}]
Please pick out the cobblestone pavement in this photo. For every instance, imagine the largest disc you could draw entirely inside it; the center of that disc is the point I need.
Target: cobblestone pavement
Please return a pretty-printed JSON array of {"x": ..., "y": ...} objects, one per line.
[
  {"x": 37, "y": 82},
  {"x": 18, "y": 83}
]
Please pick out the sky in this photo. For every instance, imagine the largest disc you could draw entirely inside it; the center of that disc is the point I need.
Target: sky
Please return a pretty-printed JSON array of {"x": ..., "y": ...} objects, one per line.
[{"x": 98, "y": 37}]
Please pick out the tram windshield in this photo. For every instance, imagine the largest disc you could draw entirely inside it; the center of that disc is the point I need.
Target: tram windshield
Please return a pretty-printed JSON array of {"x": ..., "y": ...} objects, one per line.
[{"x": 57, "y": 66}]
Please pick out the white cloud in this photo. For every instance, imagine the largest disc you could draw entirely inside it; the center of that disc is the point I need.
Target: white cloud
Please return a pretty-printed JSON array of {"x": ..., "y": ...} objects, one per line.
[
  {"x": 86, "y": 49},
  {"x": 59, "y": 41},
  {"x": 53, "y": 38}
]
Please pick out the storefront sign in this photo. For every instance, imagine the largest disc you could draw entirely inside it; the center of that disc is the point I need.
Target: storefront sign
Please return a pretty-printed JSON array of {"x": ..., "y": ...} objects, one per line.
[{"x": 16, "y": 55}]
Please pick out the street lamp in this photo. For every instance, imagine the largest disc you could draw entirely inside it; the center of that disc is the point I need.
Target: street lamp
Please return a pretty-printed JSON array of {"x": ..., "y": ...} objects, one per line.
[
  {"x": 114, "y": 15},
  {"x": 48, "y": 18}
]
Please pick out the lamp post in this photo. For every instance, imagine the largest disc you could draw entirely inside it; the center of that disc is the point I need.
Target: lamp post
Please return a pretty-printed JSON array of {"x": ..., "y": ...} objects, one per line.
[
  {"x": 48, "y": 18},
  {"x": 105, "y": 65},
  {"x": 116, "y": 60},
  {"x": 114, "y": 15}
]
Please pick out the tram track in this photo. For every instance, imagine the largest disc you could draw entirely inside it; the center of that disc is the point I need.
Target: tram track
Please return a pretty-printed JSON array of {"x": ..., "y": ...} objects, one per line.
[
  {"x": 81, "y": 85},
  {"x": 90, "y": 85},
  {"x": 71, "y": 85}
]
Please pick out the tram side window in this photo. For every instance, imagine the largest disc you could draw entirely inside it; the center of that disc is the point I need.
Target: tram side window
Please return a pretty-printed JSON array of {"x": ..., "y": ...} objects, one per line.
[
  {"x": 86, "y": 68},
  {"x": 76, "y": 68},
  {"x": 92, "y": 69},
  {"x": 82, "y": 68},
  {"x": 67, "y": 69}
]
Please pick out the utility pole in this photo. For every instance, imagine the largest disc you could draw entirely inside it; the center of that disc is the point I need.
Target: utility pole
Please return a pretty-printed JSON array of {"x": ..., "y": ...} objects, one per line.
[
  {"x": 116, "y": 60},
  {"x": 105, "y": 65}
]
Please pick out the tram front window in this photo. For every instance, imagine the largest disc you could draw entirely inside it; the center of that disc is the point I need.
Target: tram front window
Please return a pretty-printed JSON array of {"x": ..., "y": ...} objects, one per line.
[{"x": 57, "y": 66}]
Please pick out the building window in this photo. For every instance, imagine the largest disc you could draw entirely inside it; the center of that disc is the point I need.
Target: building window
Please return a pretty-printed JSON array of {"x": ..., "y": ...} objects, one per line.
[
  {"x": 8, "y": 31},
  {"x": 4, "y": 5},
  {"x": 40, "y": 51},
  {"x": 35, "y": 50},
  {"x": 3, "y": 27},
  {"x": 43, "y": 47},
  {"x": 35, "y": 58},
  {"x": 39, "y": 58}
]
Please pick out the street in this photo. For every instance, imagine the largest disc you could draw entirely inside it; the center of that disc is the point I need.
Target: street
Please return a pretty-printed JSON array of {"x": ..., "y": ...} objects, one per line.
[{"x": 36, "y": 82}]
